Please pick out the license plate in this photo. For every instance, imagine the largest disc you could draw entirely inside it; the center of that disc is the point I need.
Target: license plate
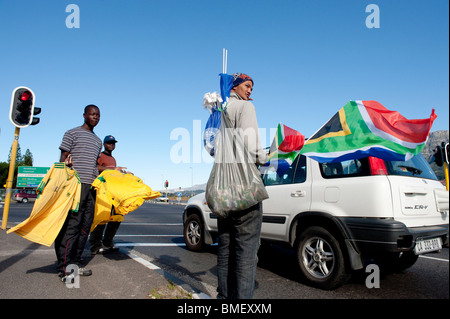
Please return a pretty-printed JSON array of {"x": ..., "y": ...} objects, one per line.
[{"x": 425, "y": 246}]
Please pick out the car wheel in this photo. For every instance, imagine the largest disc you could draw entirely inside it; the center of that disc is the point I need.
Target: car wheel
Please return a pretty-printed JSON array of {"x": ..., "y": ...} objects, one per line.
[
  {"x": 25, "y": 200},
  {"x": 193, "y": 233},
  {"x": 320, "y": 258}
]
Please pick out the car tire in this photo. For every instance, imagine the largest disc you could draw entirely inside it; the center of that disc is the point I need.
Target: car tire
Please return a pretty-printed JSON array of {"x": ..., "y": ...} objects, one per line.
[
  {"x": 193, "y": 233},
  {"x": 320, "y": 258},
  {"x": 25, "y": 200}
]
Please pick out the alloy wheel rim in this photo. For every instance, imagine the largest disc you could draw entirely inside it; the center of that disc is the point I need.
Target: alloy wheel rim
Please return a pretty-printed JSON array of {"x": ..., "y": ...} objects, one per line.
[
  {"x": 318, "y": 257},
  {"x": 194, "y": 232}
]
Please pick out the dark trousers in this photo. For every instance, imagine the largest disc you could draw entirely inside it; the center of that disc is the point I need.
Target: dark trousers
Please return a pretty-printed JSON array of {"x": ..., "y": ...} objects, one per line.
[
  {"x": 70, "y": 242},
  {"x": 239, "y": 240},
  {"x": 97, "y": 238}
]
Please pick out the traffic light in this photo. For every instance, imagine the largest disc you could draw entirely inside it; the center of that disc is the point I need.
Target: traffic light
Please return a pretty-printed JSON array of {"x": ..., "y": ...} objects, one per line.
[
  {"x": 22, "y": 108},
  {"x": 438, "y": 156},
  {"x": 166, "y": 184}
]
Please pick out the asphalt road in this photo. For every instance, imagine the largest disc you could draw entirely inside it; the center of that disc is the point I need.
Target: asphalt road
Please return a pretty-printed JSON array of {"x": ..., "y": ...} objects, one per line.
[{"x": 155, "y": 231}]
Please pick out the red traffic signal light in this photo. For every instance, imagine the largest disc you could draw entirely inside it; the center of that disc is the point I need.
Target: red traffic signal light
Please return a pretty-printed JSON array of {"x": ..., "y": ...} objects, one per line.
[
  {"x": 166, "y": 184},
  {"x": 22, "y": 108},
  {"x": 26, "y": 96}
]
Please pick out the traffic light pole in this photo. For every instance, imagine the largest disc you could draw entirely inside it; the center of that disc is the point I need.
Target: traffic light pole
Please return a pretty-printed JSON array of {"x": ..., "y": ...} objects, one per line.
[
  {"x": 446, "y": 174},
  {"x": 446, "y": 158},
  {"x": 9, "y": 181}
]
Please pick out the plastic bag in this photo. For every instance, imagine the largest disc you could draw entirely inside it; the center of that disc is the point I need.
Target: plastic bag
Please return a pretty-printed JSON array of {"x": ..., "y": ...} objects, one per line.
[
  {"x": 211, "y": 102},
  {"x": 211, "y": 129},
  {"x": 235, "y": 182}
]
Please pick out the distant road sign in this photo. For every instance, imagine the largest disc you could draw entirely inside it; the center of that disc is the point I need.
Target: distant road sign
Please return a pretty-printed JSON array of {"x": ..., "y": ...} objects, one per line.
[
  {"x": 179, "y": 194},
  {"x": 30, "y": 176}
]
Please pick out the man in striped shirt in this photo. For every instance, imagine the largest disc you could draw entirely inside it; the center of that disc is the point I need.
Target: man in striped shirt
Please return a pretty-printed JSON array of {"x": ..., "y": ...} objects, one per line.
[{"x": 81, "y": 148}]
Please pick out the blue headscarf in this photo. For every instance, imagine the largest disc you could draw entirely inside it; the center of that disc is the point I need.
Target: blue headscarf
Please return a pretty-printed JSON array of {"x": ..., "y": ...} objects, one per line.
[{"x": 239, "y": 78}]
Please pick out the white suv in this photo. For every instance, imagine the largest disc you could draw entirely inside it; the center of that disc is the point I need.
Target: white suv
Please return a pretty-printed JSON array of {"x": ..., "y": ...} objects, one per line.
[{"x": 342, "y": 216}]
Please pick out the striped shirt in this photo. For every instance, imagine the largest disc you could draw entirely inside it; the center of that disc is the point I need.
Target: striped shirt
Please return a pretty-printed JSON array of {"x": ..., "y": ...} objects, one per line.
[{"x": 85, "y": 148}]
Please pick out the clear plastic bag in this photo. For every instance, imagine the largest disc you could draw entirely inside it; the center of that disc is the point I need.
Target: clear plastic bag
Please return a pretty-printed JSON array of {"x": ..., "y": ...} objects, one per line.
[{"x": 235, "y": 182}]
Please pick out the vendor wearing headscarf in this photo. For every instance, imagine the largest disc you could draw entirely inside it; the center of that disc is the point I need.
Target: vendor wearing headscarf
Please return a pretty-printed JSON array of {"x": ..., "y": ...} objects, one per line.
[{"x": 240, "y": 232}]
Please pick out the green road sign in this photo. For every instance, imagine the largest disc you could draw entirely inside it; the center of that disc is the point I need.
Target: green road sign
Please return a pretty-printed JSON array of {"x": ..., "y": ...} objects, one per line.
[{"x": 30, "y": 176}]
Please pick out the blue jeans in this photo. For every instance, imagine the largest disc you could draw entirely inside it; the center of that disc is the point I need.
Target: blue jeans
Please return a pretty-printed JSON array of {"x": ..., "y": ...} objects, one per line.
[{"x": 239, "y": 241}]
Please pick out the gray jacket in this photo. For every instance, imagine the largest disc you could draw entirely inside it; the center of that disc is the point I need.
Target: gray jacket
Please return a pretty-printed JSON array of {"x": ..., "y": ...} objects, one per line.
[{"x": 243, "y": 115}]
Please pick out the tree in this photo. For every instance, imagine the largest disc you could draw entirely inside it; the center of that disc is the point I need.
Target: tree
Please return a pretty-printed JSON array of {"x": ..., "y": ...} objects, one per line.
[
  {"x": 18, "y": 155},
  {"x": 26, "y": 160},
  {"x": 4, "y": 168}
]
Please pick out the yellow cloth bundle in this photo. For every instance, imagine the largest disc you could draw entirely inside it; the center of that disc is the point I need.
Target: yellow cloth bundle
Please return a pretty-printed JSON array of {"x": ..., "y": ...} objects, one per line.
[
  {"x": 124, "y": 191},
  {"x": 58, "y": 193}
]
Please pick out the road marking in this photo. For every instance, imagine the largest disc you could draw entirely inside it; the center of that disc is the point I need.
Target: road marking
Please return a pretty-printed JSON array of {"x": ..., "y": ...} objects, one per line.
[
  {"x": 434, "y": 258},
  {"x": 153, "y": 224},
  {"x": 140, "y": 260},
  {"x": 149, "y": 245},
  {"x": 149, "y": 236}
]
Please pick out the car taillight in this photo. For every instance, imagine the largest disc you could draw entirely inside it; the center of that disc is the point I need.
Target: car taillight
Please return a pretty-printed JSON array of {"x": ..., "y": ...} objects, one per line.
[{"x": 377, "y": 166}]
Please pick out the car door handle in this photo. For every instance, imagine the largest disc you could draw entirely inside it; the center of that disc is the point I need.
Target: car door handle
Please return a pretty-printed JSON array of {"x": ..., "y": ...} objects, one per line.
[{"x": 298, "y": 194}]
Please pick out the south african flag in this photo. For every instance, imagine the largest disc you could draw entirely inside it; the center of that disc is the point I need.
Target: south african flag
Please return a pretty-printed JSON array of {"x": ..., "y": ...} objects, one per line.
[
  {"x": 284, "y": 149},
  {"x": 366, "y": 128}
]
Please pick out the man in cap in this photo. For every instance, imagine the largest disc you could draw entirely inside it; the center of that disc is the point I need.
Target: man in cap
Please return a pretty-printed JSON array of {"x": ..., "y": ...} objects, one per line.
[
  {"x": 104, "y": 162},
  {"x": 239, "y": 233}
]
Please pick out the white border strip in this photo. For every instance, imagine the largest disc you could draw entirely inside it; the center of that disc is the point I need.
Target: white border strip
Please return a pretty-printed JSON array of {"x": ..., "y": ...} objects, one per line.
[
  {"x": 131, "y": 244},
  {"x": 153, "y": 224},
  {"x": 148, "y": 236},
  {"x": 365, "y": 115}
]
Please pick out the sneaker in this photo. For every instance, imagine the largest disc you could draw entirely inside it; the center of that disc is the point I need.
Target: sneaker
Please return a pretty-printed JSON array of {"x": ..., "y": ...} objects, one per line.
[
  {"x": 110, "y": 247},
  {"x": 68, "y": 279},
  {"x": 84, "y": 272},
  {"x": 96, "y": 251}
]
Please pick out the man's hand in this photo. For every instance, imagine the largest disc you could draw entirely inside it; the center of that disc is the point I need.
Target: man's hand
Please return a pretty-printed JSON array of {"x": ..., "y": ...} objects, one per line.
[{"x": 121, "y": 169}]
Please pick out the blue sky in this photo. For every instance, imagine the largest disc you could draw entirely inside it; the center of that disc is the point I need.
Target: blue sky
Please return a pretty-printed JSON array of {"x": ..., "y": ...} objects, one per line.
[{"x": 147, "y": 65}]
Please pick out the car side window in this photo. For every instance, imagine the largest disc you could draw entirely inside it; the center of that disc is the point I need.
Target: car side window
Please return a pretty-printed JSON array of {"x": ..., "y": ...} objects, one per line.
[
  {"x": 300, "y": 170},
  {"x": 296, "y": 173},
  {"x": 348, "y": 168},
  {"x": 272, "y": 178}
]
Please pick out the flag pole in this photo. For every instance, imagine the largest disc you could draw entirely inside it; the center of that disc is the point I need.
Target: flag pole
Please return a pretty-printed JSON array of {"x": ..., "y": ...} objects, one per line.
[{"x": 224, "y": 61}]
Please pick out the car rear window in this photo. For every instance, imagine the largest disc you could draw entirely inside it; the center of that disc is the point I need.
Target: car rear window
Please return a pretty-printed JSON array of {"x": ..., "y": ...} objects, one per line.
[{"x": 415, "y": 167}]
